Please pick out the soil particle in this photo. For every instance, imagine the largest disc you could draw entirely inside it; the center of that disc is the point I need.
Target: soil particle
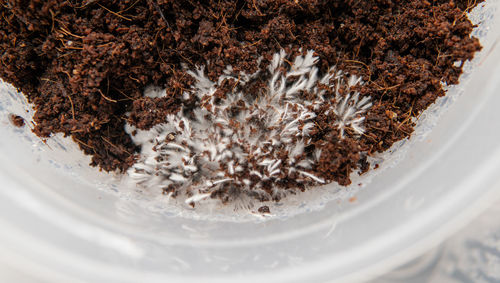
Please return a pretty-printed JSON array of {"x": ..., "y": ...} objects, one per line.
[
  {"x": 17, "y": 120},
  {"x": 264, "y": 209}
]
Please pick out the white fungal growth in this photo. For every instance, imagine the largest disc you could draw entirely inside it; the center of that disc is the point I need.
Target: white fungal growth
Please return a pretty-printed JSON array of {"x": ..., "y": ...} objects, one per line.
[
  {"x": 154, "y": 92},
  {"x": 248, "y": 143},
  {"x": 350, "y": 110}
]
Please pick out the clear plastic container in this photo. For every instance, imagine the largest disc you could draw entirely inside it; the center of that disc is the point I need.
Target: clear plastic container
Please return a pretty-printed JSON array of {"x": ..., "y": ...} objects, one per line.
[{"x": 64, "y": 222}]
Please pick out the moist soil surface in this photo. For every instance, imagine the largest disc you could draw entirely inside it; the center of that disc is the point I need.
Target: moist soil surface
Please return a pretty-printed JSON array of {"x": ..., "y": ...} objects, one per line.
[{"x": 84, "y": 65}]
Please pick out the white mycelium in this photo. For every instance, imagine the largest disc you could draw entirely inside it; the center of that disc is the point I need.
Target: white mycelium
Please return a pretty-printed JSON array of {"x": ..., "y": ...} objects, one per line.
[{"x": 248, "y": 143}]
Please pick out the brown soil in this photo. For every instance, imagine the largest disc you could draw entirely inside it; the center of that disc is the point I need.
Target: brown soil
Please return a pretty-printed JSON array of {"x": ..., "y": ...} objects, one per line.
[
  {"x": 264, "y": 209},
  {"x": 85, "y": 64},
  {"x": 16, "y": 120}
]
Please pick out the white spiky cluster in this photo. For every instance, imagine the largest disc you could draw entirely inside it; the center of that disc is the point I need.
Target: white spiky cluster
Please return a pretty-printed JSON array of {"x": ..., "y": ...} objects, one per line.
[{"x": 247, "y": 143}]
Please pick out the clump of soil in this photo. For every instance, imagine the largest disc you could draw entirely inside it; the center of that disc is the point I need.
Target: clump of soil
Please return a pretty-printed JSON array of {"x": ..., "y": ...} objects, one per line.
[
  {"x": 85, "y": 64},
  {"x": 264, "y": 209},
  {"x": 17, "y": 120}
]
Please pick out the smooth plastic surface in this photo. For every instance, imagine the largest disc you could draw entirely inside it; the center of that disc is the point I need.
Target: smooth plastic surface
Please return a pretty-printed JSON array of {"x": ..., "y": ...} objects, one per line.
[{"x": 64, "y": 222}]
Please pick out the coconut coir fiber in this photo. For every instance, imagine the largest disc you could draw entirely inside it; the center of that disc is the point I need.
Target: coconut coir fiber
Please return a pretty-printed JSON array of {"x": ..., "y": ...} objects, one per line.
[{"x": 85, "y": 64}]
